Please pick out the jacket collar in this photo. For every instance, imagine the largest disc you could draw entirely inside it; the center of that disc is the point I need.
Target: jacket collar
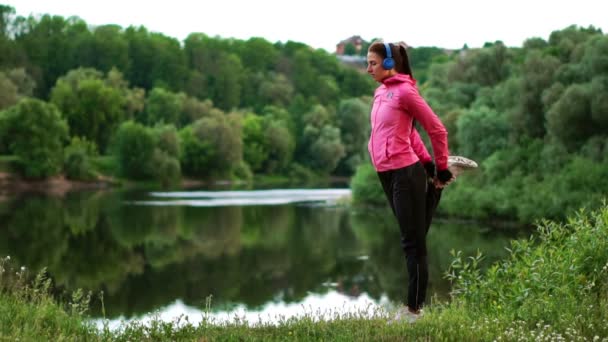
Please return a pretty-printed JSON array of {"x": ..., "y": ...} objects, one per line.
[{"x": 399, "y": 78}]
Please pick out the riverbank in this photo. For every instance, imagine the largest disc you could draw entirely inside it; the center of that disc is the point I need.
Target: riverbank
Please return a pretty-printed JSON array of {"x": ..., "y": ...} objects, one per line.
[
  {"x": 554, "y": 287},
  {"x": 11, "y": 184}
]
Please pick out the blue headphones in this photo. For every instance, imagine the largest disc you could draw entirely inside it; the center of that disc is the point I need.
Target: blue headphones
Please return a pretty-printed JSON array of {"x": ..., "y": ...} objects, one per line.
[{"x": 388, "y": 63}]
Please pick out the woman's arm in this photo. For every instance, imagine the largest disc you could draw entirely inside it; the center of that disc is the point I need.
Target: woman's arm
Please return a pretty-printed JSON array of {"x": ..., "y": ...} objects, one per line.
[{"x": 422, "y": 112}]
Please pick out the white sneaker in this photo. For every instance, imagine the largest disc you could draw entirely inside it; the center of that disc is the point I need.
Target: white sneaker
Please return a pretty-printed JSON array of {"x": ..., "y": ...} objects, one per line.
[
  {"x": 405, "y": 315},
  {"x": 458, "y": 164}
]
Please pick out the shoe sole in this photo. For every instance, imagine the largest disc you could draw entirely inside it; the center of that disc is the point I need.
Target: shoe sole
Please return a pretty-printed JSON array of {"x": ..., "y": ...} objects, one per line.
[{"x": 461, "y": 162}]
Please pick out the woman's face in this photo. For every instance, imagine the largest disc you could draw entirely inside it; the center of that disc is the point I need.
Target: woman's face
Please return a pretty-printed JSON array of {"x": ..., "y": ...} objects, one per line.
[{"x": 375, "y": 69}]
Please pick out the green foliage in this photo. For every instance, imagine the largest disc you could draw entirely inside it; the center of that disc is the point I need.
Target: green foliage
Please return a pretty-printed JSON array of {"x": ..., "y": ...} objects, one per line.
[
  {"x": 92, "y": 108},
  {"x": 598, "y": 93},
  {"x": 163, "y": 106},
  {"x": 353, "y": 122},
  {"x": 258, "y": 54},
  {"x": 366, "y": 187},
  {"x": 8, "y": 92},
  {"x": 481, "y": 131},
  {"x": 98, "y": 77},
  {"x": 281, "y": 145},
  {"x": 537, "y": 75},
  {"x": 211, "y": 146},
  {"x": 569, "y": 119},
  {"x": 134, "y": 146},
  {"x": 166, "y": 168},
  {"x": 320, "y": 147},
  {"x": 29, "y": 312},
  {"x": 35, "y": 133},
  {"x": 155, "y": 60},
  {"x": 255, "y": 152},
  {"x": 560, "y": 280},
  {"x": 77, "y": 159}
]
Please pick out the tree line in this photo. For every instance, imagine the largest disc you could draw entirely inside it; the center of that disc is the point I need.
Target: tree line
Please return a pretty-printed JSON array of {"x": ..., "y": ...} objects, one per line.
[
  {"x": 204, "y": 107},
  {"x": 535, "y": 117}
]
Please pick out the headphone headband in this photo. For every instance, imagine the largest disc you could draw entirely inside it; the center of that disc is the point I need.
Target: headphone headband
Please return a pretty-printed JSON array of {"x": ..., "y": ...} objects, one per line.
[
  {"x": 389, "y": 53},
  {"x": 388, "y": 63}
]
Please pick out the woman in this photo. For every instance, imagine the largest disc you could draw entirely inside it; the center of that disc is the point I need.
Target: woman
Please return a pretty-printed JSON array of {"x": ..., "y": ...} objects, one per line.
[{"x": 402, "y": 162}]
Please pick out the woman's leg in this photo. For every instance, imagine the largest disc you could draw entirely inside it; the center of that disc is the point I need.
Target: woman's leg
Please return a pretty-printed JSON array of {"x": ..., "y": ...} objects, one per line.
[
  {"x": 433, "y": 195},
  {"x": 406, "y": 191}
]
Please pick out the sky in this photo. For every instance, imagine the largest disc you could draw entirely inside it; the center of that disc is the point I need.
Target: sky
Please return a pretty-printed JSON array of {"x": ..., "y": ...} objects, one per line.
[{"x": 324, "y": 23}]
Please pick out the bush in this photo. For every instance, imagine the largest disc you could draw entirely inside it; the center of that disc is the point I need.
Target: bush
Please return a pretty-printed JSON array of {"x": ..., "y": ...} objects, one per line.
[
  {"x": 134, "y": 147},
  {"x": 77, "y": 159},
  {"x": 557, "y": 281},
  {"x": 35, "y": 132},
  {"x": 366, "y": 186},
  {"x": 166, "y": 168}
]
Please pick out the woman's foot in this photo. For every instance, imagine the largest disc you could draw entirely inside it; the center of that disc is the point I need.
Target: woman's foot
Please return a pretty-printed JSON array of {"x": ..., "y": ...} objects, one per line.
[{"x": 404, "y": 314}]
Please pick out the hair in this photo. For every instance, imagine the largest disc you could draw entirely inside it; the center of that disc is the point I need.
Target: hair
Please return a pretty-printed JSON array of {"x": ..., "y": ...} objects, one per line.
[{"x": 399, "y": 52}]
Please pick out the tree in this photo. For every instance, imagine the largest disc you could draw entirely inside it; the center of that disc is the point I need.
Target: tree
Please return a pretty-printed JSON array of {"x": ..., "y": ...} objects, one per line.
[
  {"x": 110, "y": 48},
  {"x": 8, "y": 49},
  {"x": 481, "y": 132},
  {"x": 276, "y": 90},
  {"x": 327, "y": 150},
  {"x": 36, "y": 133},
  {"x": 569, "y": 119},
  {"x": 22, "y": 80},
  {"x": 599, "y": 103},
  {"x": 537, "y": 75},
  {"x": 163, "y": 106},
  {"x": 595, "y": 58},
  {"x": 563, "y": 42},
  {"x": 225, "y": 82},
  {"x": 8, "y": 92},
  {"x": 218, "y": 72},
  {"x": 155, "y": 60},
  {"x": 255, "y": 151},
  {"x": 352, "y": 118},
  {"x": 258, "y": 54},
  {"x": 211, "y": 146},
  {"x": 92, "y": 108},
  {"x": 77, "y": 159},
  {"x": 165, "y": 159},
  {"x": 280, "y": 144},
  {"x": 134, "y": 147},
  {"x": 51, "y": 49},
  {"x": 320, "y": 146}
]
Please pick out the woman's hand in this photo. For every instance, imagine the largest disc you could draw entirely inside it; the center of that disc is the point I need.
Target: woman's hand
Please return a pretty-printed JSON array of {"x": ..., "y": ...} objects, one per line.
[{"x": 443, "y": 178}]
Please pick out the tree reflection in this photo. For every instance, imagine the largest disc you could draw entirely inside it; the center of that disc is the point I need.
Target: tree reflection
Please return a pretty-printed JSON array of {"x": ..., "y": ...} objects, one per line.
[{"x": 145, "y": 257}]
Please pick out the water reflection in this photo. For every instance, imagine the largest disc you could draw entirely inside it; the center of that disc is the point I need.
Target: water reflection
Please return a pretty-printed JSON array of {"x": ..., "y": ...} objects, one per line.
[
  {"x": 146, "y": 257},
  {"x": 316, "y": 307}
]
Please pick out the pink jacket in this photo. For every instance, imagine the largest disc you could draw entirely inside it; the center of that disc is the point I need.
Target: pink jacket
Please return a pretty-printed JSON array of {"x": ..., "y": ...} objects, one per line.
[{"x": 394, "y": 142}]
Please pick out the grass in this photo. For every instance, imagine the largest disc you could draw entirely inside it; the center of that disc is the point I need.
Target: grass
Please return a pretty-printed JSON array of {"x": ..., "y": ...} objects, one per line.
[{"x": 551, "y": 288}]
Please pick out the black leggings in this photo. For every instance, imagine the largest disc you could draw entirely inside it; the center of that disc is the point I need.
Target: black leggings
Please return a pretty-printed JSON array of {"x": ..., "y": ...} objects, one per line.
[{"x": 413, "y": 200}]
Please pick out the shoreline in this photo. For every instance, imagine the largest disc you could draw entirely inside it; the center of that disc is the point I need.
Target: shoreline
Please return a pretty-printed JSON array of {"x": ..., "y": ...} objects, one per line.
[{"x": 11, "y": 185}]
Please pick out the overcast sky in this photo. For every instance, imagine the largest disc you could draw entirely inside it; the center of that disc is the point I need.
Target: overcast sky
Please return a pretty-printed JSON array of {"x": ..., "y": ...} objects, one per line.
[{"x": 324, "y": 23}]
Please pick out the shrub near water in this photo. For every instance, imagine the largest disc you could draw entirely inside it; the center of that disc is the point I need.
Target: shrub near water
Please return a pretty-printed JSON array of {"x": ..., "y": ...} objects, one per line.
[
  {"x": 550, "y": 288},
  {"x": 28, "y": 312},
  {"x": 553, "y": 287}
]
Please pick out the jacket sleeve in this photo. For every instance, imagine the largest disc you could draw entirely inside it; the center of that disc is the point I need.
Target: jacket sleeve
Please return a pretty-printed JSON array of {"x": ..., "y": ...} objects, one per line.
[
  {"x": 417, "y": 107},
  {"x": 418, "y": 147}
]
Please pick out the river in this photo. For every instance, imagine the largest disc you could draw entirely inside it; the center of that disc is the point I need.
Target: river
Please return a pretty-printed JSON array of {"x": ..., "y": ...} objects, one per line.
[{"x": 261, "y": 255}]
